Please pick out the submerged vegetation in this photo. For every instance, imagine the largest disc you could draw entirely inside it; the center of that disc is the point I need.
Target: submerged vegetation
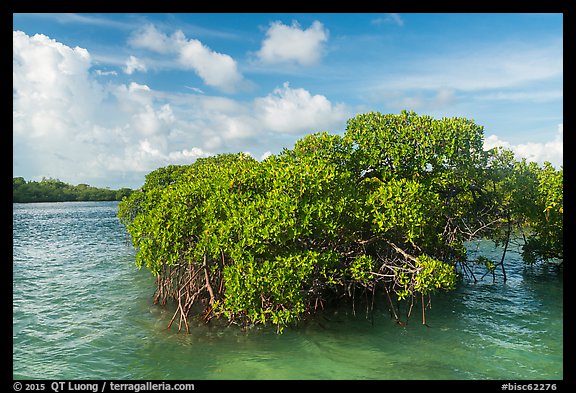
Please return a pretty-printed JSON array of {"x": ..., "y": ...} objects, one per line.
[
  {"x": 54, "y": 190},
  {"x": 386, "y": 208}
]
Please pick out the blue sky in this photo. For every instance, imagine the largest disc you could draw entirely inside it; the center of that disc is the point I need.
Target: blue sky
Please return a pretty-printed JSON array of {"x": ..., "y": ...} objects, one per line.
[{"x": 104, "y": 99}]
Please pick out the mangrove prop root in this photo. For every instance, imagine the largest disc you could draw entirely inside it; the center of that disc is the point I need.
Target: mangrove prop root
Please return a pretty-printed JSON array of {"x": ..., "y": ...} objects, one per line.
[
  {"x": 208, "y": 286},
  {"x": 195, "y": 288},
  {"x": 423, "y": 310},
  {"x": 187, "y": 284}
]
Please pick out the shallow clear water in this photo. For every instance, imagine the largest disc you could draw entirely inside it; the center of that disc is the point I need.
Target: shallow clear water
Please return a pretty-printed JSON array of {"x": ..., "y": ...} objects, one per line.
[{"x": 82, "y": 310}]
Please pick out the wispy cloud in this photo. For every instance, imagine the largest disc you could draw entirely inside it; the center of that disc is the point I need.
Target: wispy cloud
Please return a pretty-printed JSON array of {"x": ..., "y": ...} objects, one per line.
[
  {"x": 94, "y": 20},
  {"x": 195, "y": 89},
  {"x": 419, "y": 100},
  {"x": 150, "y": 38},
  {"x": 391, "y": 18},
  {"x": 508, "y": 72},
  {"x": 504, "y": 66},
  {"x": 105, "y": 73},
  {"x": 134, "y": 64},
  {"x": 523, "y": 95}
]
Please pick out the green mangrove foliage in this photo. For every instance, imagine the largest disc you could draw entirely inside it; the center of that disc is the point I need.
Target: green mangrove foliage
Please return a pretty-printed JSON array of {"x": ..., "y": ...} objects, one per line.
[
  {"x": 545, "y": 216},
  {"x": 386, "y": 208},
  {"x": 530, "y": 200}
]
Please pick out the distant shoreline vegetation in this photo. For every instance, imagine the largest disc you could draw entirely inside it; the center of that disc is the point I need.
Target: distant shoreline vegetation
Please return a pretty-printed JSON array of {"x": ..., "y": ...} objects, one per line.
[{"x": 54, "y": 190}]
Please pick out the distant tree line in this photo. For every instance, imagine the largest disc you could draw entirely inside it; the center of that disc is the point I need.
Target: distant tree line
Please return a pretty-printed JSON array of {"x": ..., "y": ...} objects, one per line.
[{"x": 54, "y": 190}]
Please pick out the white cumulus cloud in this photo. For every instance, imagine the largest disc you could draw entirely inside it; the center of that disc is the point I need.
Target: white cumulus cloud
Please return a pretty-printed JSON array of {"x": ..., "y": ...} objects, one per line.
[
  {"x": 216, "y": 69},
  {"x": 292, "y": 44},
  {"x": 295, "y": 110},
  {"x": 69, "y": 126},
  {"x": 551, "y": 151},
  {"x": 51, "y": 84}
]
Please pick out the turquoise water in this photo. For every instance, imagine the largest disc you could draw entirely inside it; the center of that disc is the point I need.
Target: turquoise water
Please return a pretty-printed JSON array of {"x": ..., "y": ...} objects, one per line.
[{"x": 82, "y": 310}]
